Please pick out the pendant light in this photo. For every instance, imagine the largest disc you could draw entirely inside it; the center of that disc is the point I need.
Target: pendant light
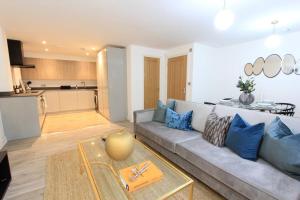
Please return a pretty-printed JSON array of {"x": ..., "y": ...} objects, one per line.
[
  {"x": 274, "y": 40},
  {"x": 224, "y": 19}
]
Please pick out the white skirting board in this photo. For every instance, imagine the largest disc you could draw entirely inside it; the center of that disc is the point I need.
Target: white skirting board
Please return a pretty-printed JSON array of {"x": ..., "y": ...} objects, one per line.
[{"x": 3, "y": 139}]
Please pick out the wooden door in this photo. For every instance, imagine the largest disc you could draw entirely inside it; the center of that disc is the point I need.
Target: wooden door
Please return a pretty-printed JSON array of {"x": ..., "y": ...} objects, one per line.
[
  {"x": 151, "y": 82},
  {"x": 177, "y": 77}
]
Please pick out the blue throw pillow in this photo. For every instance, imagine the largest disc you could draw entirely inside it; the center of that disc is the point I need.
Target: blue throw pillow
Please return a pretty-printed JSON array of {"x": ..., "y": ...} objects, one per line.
[
  {"x": 179, "y": 121},
  {"x": 161, "y": 109},
  {"x": 281, "y": 148},
  {"x": 244, "y": 139}
]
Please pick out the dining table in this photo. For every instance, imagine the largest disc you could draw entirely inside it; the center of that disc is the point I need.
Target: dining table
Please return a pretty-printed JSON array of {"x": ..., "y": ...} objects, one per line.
[{"x": 263, "y": 106}]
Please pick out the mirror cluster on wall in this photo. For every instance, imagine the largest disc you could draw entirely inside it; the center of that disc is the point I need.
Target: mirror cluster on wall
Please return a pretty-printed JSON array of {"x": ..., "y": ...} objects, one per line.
[{"x": 273, "y": 65}]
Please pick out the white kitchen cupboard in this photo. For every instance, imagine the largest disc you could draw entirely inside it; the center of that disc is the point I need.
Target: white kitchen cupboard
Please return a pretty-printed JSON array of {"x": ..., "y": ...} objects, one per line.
[
  {"x": 85, "y": 100},
  {"x": 69, "y": 100},
  {"x": 52, "y": 101},
  {"x": 111, "y": 82}
]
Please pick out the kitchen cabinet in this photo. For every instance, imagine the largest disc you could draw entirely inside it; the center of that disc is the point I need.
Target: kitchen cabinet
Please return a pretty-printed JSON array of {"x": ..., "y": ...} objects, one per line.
[
  {"x": 52, "y": 101},
  {"x": 85, "y": 100},
  {"x": 22, "y": 116},
  {"x": 69, "y": 100},
  {"x": 51, "y": 69},
  {"x": 111, "y": 82}
]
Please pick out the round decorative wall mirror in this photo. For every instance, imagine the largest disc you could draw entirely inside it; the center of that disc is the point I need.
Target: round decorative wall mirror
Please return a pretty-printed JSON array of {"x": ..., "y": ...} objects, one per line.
[
  {"x": 288, "y": 64},
  {"x": 297, "y": 67},
  {"x": 258, "y": 65},
  {"x": 248, "y": 69},
  {"x": 272, "y": 66}
]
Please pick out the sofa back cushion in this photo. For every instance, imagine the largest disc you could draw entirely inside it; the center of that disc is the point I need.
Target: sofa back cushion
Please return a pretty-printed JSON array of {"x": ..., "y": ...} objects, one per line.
[
  {"x": 200, "y": 112},
  {"x": 255, "y": 117}
]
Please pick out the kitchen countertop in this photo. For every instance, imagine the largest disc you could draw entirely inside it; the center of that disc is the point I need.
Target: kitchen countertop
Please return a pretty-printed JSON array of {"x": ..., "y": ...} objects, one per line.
[
  {"x": 29, "y": 94},
  {"x": 72, "y": 88},
  {"x": 40, "y": 90}
]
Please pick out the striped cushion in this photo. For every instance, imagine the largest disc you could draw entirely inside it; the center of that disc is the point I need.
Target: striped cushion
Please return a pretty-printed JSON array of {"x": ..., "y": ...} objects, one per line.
[{"x": 216, "y": 129}]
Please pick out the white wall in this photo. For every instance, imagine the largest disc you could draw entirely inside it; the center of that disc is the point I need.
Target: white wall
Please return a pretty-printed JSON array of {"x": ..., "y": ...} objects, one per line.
[
  {"x": 3, "y": 139},
  {"x": 5, "y": 71},
  {"x": 224, "y": 66},
  {"x": 135, "y": 76}
]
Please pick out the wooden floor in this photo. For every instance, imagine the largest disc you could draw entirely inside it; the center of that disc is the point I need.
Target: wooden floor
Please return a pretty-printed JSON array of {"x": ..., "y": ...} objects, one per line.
[
  {"x": 71, "y": 121},
  {"x": 28, "y": 159}
]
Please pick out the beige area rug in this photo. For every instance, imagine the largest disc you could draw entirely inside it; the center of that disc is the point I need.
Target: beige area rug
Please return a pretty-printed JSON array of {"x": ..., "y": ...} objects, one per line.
[
  {"x": 72, "y": 121},
  {"x": 64, "y": 181}
]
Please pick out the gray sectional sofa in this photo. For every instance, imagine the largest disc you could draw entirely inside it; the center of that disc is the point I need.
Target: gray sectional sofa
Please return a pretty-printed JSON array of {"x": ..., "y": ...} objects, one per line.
[{"x": 230, "y": 175}]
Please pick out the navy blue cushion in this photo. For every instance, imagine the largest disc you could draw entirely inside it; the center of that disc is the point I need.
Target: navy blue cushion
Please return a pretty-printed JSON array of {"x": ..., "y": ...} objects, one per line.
[
  {"x": 179, "y": 121},
  {"x": 161, "y": 109},
  {"x": 281, "y": 148},
  {"x": 244, "y": 139}
]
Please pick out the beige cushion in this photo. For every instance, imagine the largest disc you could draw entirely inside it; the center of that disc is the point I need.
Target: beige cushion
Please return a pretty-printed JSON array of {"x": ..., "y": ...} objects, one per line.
[{"x": 200, "y": 113}]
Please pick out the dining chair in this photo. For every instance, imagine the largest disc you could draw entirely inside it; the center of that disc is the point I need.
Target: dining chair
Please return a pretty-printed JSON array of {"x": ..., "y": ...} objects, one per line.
[
  {"x": 287, "y": 109},
  {"x": 209, "y": 103}
]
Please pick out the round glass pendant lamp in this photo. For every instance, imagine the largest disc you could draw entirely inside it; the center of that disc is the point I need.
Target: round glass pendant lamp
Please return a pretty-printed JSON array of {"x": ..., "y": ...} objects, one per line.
[{"x": 224, "y": 19}]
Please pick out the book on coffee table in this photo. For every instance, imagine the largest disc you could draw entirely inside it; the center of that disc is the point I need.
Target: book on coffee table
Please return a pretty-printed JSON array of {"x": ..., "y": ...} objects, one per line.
[{"x": 132, "y": 180}]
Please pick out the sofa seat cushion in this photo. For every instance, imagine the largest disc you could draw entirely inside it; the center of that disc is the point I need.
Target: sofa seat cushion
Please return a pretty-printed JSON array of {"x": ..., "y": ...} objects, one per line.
[
  {"x": 255, "y": 180},
  {"x": 164, "y": 136}
]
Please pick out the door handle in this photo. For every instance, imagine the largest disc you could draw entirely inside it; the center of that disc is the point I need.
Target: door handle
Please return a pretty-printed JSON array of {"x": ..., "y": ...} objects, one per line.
[{"x": 184, "y": 90}]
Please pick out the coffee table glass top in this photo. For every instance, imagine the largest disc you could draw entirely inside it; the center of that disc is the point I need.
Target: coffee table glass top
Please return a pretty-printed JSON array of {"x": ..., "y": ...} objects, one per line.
[{"x": 104, "y": 173}]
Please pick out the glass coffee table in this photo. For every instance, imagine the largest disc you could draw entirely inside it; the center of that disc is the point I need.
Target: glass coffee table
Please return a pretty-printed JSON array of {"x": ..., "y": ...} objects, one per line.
[{"x": 104, "y": 178}]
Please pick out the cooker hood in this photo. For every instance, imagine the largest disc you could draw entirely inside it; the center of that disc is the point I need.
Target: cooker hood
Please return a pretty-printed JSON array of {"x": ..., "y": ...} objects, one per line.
[{"x": 15, "y": 49}]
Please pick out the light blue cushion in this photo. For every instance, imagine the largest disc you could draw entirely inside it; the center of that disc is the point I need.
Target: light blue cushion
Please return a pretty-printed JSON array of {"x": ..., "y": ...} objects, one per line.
[
  {"x": 243, "y": 138},
  {"x": 179, "y": 121},
  {"x": 161, "y": 109},
  {"x": 281, "y": 148},
  {"x": 277, "y": 129}
]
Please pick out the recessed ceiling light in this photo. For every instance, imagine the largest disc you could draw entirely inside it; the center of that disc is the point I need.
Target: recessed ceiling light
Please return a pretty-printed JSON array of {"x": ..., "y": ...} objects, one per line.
[
  {"x": 46, "y": 49},
  {"x": 94, "y": 49},
  {"x": 87, "y": 53},
  {"x": 44, "y": 42}
]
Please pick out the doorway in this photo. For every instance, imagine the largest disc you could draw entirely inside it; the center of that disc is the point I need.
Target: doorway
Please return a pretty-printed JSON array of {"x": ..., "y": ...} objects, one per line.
[
  {"x": 151, "y": 81},
  {"x": 177, "y": 71}
]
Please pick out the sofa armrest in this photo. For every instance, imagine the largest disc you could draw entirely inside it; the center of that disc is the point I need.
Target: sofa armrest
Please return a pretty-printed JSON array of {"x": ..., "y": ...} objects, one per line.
[{"x": 143, "y": 115}]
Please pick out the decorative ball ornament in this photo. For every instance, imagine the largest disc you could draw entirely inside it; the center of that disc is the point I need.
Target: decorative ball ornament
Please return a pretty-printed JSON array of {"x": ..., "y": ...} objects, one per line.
[{"x": 119, "y": 145}]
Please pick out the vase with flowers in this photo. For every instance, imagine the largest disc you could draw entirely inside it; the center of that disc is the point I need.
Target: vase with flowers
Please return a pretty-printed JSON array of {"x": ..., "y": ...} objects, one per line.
[{"x": 246, "y": 87}]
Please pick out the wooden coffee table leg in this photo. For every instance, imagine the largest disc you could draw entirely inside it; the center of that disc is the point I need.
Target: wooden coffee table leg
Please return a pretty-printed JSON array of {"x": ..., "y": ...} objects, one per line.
[{"x": 191, "y": 191}]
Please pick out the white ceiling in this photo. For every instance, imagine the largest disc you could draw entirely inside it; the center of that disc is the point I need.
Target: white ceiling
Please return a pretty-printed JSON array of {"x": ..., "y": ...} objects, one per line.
[{"x": 69, "y": 25}]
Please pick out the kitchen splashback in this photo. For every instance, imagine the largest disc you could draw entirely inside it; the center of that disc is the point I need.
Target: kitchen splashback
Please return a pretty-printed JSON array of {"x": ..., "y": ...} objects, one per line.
[{"x": 58, "y": 83}]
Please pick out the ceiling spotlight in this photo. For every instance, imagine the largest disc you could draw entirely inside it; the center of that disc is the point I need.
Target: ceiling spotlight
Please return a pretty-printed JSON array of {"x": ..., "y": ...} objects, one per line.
[
  {"x": 94, "y": 49},
  {"x": 224, "y": 19},
  {"x": 87, "y": 53},
  {"x": 46, "y": 49},
  {"x": 274, "y": 40},
  {"x": 44, "y": 42}
]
